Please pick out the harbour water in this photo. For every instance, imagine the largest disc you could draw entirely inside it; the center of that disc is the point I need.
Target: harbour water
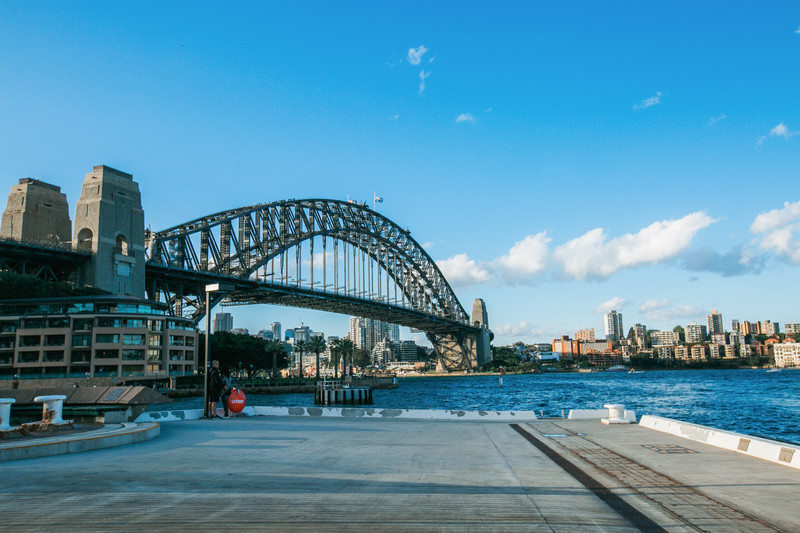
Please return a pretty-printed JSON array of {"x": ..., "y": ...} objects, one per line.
[{"x": 754, "y": 402}]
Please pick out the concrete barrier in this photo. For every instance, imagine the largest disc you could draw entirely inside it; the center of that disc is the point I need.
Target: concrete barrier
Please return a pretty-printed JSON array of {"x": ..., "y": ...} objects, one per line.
[
  {"x": 770, "y": 450},
  {"x": 349, "y": 412},
  {"x": 582, "y": 414},
  {"x": 5, "y": 413}
]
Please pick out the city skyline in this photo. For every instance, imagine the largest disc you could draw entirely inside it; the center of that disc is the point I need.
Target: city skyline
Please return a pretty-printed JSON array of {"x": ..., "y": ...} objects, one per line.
[{"x": 556, "y": 162}]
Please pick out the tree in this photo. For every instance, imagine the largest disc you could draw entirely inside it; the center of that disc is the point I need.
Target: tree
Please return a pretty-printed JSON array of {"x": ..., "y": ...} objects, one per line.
[
  {"x": 231, "y": 349},
  {"x": 317, "y": 345},
  {"x": 300, "y": 347},
  {"x": 361, "y": 358},
  {"x": 346, "y": 346},
  {"x": 681, "y": 333},
  {"x": 632, "y": 335},
  {"x": 273, "y": 348},
  {"x": 336, "y": 353}
]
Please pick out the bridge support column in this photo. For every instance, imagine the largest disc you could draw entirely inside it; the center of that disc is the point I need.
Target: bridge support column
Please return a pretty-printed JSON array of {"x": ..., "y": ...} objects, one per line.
[{"x": 453, "y": 352}]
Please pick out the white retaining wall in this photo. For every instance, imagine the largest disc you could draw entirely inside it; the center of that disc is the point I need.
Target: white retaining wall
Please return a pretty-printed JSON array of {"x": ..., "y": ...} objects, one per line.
[
  {"x": 777, "y": 452},
  {"x": 348, "y": 412}
]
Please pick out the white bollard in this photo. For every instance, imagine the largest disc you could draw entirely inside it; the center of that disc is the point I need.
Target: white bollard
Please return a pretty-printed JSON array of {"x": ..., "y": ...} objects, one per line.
[
  {"x": 616, "y": 414},
  {"x": 52, "y": 408},
  {"x": 5, "y": 413}
]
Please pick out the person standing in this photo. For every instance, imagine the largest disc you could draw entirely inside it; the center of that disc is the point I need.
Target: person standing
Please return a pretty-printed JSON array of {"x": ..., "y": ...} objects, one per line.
[
  {"x": 214, "y": 389},
  {"x": 502, "y": 373},
  {"x": 226, "y": 391}
]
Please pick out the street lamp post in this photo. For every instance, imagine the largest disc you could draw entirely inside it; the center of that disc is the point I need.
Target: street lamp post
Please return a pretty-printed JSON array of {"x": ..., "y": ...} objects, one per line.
[{"x": 213, "y": 287}]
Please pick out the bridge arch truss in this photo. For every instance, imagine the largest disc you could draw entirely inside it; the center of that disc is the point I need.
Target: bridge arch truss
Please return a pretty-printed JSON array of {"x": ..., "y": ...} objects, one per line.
[{"x": 321, "y": 254}]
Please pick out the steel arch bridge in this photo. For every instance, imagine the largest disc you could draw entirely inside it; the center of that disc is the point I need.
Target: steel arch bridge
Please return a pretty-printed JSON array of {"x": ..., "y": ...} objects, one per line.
[{"x": 328, "y": 255}]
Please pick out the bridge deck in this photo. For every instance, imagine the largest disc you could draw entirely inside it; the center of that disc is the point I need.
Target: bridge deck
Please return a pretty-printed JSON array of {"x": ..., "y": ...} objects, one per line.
[{"x": 303, "y": 474}]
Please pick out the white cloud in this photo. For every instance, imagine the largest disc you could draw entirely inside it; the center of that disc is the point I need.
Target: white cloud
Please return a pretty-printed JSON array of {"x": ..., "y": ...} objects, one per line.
[
  {"x": 465, "y": 117},
  {"x": 614, "y": 303},
  {"x": 415, "y": 54},
  {"x": 779, "y": 231},
  {"x": 797, "y": 31},
  {"x": 592, "y": 256},
  {"x": 525, "y": 259},
  {"x": 649, "y": 102},
  {"x": 718, "y": 118},
  {"x": 461, "y": 270},
  {"x": 393, "y": 117},
  {"x": 520, "y": 329},
  {"x": 781, "y": 130},
  {"x": 664, "y": 310},
  {"x": 422, "y": 77}
]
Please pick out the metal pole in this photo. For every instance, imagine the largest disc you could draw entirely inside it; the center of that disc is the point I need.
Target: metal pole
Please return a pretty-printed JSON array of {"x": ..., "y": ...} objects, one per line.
[{"x": 207, "y": 359}]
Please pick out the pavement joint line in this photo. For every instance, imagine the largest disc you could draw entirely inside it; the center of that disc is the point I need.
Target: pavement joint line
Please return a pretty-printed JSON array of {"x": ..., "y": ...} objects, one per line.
[
  {"x": 689, "y": 497},
  {"x": 614, "y": 501}
]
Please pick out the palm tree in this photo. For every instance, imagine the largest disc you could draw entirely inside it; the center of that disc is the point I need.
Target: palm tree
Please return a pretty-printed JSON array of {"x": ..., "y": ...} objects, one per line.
[
  {"x": 273, "y": 347},
  {"x": 317, "y": 345},
  {"x": 336, "y": 352},
  {"x": 347, "y": 347},
  {"x": 300, "y": 347}
]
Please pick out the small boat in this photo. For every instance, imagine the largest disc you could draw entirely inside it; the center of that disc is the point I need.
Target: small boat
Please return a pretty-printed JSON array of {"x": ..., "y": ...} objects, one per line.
[
  {"x": 616, "y": 368},
  {"x": 774, "y": 370},
  {"x": 632, "y": 371}
]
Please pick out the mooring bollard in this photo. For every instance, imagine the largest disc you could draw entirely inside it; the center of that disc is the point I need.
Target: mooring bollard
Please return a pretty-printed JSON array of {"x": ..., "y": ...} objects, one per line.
[
  {"x": 616, "y": 414},
  {"x": 5, "y": 413},
  {"x": 52, "y": 408}
]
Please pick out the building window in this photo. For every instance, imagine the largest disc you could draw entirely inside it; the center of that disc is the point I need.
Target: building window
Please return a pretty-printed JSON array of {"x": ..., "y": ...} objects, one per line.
[
  {"x": 33, "y": 323},
  {"x": 82, "y": 340},
  {"x": 107, "y": 338},
  {"x": 29, "y": 340},
  {"x": 176, "y": 369},
  {"x": 132, "y": 355},
  {"x": 153, "y": 354},
  {"x": 121, "y": 246},
  {"x": 6, "y": 342},
  {"x": 28, "y": 357},
  {"x": 189, "y": 356},
  {"x": 60, "y": 322},
  {"x": 153, "y": 369},
  {"x": 54, "y": 340},
  {"x": 175, "y": 341},
  {"x": 134, "y": 323},
  {"x": 50, "y": 357},
  {"x": 8, "y": 326},
  {"x": 154, "y": 340},
  {"x": 132, "y": 370},
  {"x": 105, "y": 370},
  {"x": 108, "y": 322},
  {"x": 155, "y": 325},
  {"x": 175, "y": 355},
  {"x": 132, "y": 339},
  {"x": 6, "y": 359},
  {"x": 85, "y": 238},
  {"x": 81, "y": 356},
  {"x": 189, "y": 341},
  {"x": 82, "y": 324},
  {"x": 106, "y": 354}
]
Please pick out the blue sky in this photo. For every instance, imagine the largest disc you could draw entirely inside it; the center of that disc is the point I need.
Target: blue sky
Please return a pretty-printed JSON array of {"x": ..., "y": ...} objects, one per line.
[{"x": 556, "y": 159}]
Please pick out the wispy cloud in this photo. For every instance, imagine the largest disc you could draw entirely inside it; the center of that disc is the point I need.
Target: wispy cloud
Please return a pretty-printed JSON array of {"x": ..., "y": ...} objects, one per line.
[
  {"x": 718, "y": 118},
  {"x": 781, "y": 130},
  {"x": 797, "y": 31},
  {"x": 463, "y": 271},
  {"x": 649, "y": 102},
  {"x": 487, "y": 110},
  {"x": 738, "y": 261},
  {"x": 614, "y": 303},
  {"x": 465, "y": 117},
  {"x": 592, "y": 256},
  {"x": 415, "y": 54},
  {"x": 520, "y": 330},
  {"x": 422, "y": 77},
  {"x": 663, "y": 310},
  {"x": 393, "y": 117},
  {"x": 778, "y": 231}
]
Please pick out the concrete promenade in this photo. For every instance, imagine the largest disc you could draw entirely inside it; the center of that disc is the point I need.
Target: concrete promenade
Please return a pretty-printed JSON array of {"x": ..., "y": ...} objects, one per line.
[{"x": 350, "y": 474}]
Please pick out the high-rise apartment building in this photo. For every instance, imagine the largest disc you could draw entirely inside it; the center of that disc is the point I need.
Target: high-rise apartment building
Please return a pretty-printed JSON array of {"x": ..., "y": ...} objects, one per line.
[
  {"x": 367, "y": 332},
  {"x": 665, "y": 338},
  {"x": 768, "y": 327},
  {"x": 695, "y": 333},
  {"x": 640, "y": 331},
  {"x": 586, "y": 335},
  {"x": 792, "y": 329},
  {"x": 715, "y": 323},
  {"x": 223, "y": 322},
  {"x": 613, "y": 326},
  {"x": 275, "y": 327},
  {"x": 735, "y": 326}
]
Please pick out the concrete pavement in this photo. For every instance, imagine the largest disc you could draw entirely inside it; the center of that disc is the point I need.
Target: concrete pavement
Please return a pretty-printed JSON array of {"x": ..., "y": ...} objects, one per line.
[{"x": 327, "y": 474}]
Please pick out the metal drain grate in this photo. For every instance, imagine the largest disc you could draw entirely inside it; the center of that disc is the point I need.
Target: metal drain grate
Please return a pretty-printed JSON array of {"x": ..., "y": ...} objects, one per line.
[{"x": 668, "y": 448}]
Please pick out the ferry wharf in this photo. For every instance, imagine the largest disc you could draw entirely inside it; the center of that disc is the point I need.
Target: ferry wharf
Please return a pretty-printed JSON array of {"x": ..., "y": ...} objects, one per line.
[{"x": 351, "y": 473}]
